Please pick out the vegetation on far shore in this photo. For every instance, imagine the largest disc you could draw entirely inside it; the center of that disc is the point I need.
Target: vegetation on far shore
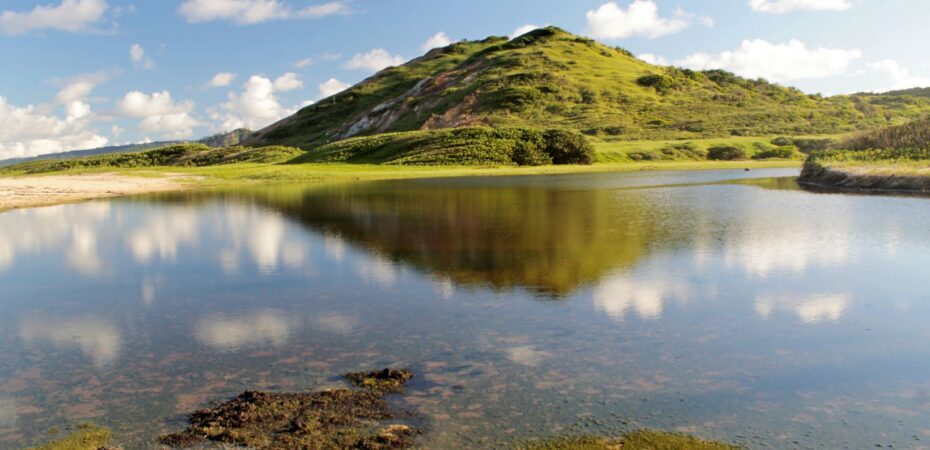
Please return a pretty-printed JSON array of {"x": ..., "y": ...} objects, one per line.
[{"x": 892, "y": 158}]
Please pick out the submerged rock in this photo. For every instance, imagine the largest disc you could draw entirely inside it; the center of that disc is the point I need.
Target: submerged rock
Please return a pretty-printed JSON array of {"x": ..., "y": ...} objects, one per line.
[
  {"x": 340, "y": 418},
  {"x": 386, "y": 380},
  {"x": 637, "y": 440}
]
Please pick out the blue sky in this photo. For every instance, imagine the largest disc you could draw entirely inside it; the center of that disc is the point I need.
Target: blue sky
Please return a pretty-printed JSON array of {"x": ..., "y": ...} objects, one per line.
[{"x": 86, "y": 73}]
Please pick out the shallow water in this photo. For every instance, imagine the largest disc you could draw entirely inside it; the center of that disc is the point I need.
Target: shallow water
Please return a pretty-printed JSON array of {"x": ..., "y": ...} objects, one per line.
[{"x": 727, "y": 304}]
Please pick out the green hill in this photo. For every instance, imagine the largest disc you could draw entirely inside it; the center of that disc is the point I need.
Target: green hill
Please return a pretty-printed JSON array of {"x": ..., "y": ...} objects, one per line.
[{"x": 550, "y": 78}]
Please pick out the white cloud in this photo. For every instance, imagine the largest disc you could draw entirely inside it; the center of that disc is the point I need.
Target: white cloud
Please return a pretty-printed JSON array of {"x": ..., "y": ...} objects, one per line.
[
  {"x": 256, "y": 106},
  {"x": 328, "y": 56},
  {"x": 332, "y": 87},
  {"x": 247, "y": 12},
  {"x": 221, "y": 79},
  {"x": 611, "y": 21},
  {"x": 306, "y": 62},
  {"x": 374, "y": 60},
  {"x": 288, "y": 82},
  {"x": 656, "y": 60},
  {"x": 26, "y": 131},
  {"x": 521, "y": 30},
  {"x": 900, "y": 77},
  {"x": 437, "y": 40},
  {"x": 777, "y": 62},
  {"x": 159, "y": 113},
  {"x": 70, "y": 15},
  {"x": 784, "y": 6},
  {"x": 139, "y": 61},
  {"x": 79, "y": 87}
]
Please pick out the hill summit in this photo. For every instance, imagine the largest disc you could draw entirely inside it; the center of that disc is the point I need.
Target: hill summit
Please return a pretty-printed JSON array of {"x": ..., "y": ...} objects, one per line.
[{"x": 549, "y": 78}]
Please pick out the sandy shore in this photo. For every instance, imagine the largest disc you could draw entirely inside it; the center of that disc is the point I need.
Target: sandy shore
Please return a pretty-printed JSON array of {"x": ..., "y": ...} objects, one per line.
[{"x": 21, "y": 192}]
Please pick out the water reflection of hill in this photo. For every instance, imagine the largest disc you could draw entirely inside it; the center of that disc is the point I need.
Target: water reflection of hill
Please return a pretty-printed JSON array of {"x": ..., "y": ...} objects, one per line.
[{"x": 549, "y": 241}]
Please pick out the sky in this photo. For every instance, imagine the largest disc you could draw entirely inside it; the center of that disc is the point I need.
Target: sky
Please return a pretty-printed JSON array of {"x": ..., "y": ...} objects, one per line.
[{"x": 89, "y": 73}]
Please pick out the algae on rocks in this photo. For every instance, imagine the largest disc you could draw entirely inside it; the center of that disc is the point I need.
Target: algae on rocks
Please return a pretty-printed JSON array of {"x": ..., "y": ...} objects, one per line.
[{"x": 340, "y": 418}]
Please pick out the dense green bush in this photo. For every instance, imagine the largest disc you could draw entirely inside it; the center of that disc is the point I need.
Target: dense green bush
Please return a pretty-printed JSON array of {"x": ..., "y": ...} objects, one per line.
[
  {"x": 786, "y": 152},
  {"x": 660, "y": 83},
  {"x": 813, "y": 145},
  {"x": 782, "y": 142},
  {"x": 676, "y": 152},
  {"x": 568, "y": 147},
  {"x": 726, "y": 153}
]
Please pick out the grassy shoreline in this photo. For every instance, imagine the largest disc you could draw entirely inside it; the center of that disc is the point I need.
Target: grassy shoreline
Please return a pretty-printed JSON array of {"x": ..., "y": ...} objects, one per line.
[{"x": 253, "y": 173}]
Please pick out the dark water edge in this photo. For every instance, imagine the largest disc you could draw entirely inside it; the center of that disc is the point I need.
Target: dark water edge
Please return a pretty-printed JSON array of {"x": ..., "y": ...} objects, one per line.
[{"x": 731, "y": 305}]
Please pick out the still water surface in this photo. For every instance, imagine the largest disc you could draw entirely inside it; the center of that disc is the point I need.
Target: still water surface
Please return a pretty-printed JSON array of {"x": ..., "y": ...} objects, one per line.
[{"x": 727, "y": 304}]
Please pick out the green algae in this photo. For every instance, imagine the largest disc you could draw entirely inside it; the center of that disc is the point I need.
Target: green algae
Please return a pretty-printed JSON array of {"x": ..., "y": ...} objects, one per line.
[
  {"x": 637, "y": 440},
  {"x": 339, "y": 418},
  {"x": 85, "y": 437}
]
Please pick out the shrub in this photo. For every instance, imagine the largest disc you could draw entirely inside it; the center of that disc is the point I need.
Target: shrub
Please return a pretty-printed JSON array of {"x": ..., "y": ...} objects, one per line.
[
  {"x": 786, "y": 152},
  {"x": 813, "y": 145},
  {"x": 660, "y": 83},
  {"x": 782, "y": 141},
  {"x": 567, "y": 147},
  {"x": 726, "y": 153}
]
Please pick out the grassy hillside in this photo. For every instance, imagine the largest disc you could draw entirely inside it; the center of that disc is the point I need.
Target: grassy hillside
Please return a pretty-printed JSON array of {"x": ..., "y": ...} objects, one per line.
[
  {"x": 549, "y": 78},
  {"x": 181, "y": 155}
]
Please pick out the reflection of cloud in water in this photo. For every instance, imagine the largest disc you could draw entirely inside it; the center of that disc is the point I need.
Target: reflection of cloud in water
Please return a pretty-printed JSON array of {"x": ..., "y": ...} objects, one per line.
[
  {"x": 83, "y": 255},
  {"x": 336, "y": 323},
  {"x": 376, "y": 269},
  {"x": 444, "y": 287},
  {"x": 621, "y": 293},
  {"x": 335, "y": 247},
  {"x": 767, "y": 245},
  {"x": 70, "y": 227},
  {"x": 8, "y": 413},
  {"x": 98, "y": 339},
  {"x": 263, "y": 235},
  {"x": 811, "y": 309},
  {"x": 149, "y": 286},
  {"x": 261, "y": 328},
  {"x": 166, "y": 230},
  {"x": 527, "y": 355}
]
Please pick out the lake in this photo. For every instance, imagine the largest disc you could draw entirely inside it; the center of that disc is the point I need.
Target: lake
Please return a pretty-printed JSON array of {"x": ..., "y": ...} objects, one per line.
[{"x": 727, "y": 304}]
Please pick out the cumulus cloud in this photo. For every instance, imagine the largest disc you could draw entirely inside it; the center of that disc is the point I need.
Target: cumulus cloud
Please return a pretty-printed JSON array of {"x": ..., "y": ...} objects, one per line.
[
  {"x": 784, "y": 6},
  {"x": 655, "y": 60},
  {"x": 221, "y": 79},
  {"x": 899, "y": 77},
  {"x": 641, "y": 19},
  {"x": 139, "y": 60},
  {"x": 27, "y": 131},
  {"x": 437, "y": 40},
  {"x": 332, "y": 87},
  {"x": 256, "y": 106},
  {"x": 777, "y": 62},
  {"x": 159, "y": 113},
  {"x": 288, "y": 82},
  {"x": 247, "y": 12},
  {"x": 374, "y": 60},
  {"x": 70, "y": 15},
  {"x": 79, "y": 87},
  {"x": 306, "y": 62}
]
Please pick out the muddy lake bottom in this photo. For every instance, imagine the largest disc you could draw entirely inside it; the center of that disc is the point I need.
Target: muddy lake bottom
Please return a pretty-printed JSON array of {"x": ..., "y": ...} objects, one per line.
[{"x": 727, "y": 304}]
